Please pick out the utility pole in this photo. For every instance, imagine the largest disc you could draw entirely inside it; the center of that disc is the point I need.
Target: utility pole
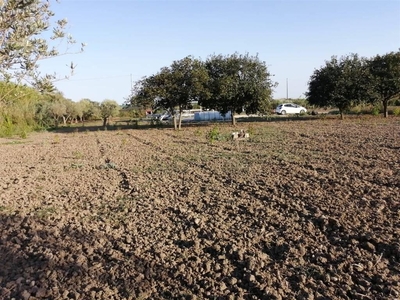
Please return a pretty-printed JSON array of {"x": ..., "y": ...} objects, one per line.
[{"x": 287, "y": 89}]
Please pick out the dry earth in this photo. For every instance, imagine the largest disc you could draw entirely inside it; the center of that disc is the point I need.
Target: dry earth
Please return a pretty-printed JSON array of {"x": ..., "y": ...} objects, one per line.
[{"x": 301, "y": 210}]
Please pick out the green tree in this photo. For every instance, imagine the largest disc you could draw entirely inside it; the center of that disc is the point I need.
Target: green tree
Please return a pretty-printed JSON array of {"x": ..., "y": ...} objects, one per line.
[
  {"x": 22, "y": 45},
  {"x": 172, "y": 88},
  {"x": 236, "y": 83},
  {"x": 58, "y": 110},
  {"x": 73, "y": 111},
  {"x": 23, "y": 26},
  {"x": 90, "y": 110},
  {"x": 385, "y": 71},
  {"x": 108, "y": 109},
  {"x": 186, "y": 83},
  {"x": 17, "y": 115},
  {"x": 341, "y": 83}
]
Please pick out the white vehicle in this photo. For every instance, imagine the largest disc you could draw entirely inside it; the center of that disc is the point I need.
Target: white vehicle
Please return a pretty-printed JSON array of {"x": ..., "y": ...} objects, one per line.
[{"x": 290, "y": 108}]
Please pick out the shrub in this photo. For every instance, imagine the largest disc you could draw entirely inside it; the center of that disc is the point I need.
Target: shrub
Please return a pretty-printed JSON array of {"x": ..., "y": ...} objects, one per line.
[
  {"x": 396, "y": 111},
  {"x": 375, "y": 111},
  {"x": 213, "y": 134}
]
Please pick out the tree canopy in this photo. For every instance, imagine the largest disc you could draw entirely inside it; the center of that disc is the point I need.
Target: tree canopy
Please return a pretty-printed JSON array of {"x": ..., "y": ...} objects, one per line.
[
  {"x": 385, "y": 72},
  {"x": 172, "y": 88},
  {"x": 22, "y": 43},
  {"x": 108, "y": 108},
  {"x": 224, "y": 83},
  {"x": 352, "y": 80},
  {"x": 341, "y": 83},
  {"x": 236, "y": 83}
]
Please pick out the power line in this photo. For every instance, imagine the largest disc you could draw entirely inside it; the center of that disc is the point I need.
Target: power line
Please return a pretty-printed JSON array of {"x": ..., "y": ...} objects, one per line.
[{"x": 100, "y": 78}]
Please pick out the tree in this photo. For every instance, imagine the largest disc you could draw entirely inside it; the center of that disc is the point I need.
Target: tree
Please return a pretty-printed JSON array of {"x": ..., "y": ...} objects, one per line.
[
  {"x": 341, "y": 83},
  {"x": 108, "y": 109},
  {"x": 237, "y": 83},
  {"x": 58, "y": 110},
  {"x": 56, "y": 107},
  {"x": 18, "y": 115},
  {"x": 89, "y": 109},
  {"x": 73, "y": 110},
  {"x": 22, "y": 45},
  {"x": 187, "y": 83},
  {"x": 172, "y": 88},
  {"x": 385, "y": 71}
]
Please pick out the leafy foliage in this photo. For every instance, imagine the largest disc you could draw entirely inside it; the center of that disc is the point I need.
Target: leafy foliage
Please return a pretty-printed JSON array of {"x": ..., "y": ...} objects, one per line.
[
  {"x": 17, "y": 112},
  {"x": 341, "y": 83},
  {"x": 237, "y": 83},
  {"x": 172, "y": 87},
  {"x": 22, "y": 45},
  {"x": 230, "y": 83},
  {"x": 27, "y": 97},
  {"x": 385, "y": 71},
  {"x": 108, "y": 108}
]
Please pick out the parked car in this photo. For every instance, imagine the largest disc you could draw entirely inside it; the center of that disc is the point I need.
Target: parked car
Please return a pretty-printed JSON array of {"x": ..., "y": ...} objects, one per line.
[
  {"x": 165, "y": 116},
  {"x": 290, "y": 108},
  {"x": 161, "y": 117}
]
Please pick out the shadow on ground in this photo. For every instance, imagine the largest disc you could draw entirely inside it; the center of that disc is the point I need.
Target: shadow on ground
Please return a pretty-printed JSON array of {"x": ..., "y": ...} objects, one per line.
[
  {"x": 186, "y": 124},
  {"x": 46, "y": 260}
]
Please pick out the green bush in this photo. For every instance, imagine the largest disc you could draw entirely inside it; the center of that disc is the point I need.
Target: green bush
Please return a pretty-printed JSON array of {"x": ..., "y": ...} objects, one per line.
[
  {"x": 18, "y": 109},
  {"x": 396, "y": 111},
  {"x": 375, "y": 111},
  {"x": 213, "y": 134}
]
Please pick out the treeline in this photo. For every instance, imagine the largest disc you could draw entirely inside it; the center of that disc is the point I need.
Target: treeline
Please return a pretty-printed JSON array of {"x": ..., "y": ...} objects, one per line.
[
  {"x": 352, "y": 80},
  {"x": 237, "y": 83},
  {"x": 233, "y": 83},
  {"x": 24, "y": 109}
]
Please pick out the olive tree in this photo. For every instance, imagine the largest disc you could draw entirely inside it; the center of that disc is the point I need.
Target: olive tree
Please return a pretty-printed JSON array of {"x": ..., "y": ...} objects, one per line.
[
  {"x": 173, "y": 88},
  {"x": 89, "y": 110},
  {"x": 385, "y": 71},
  {"x": 108, "y": 109},
  {"x": 343, "y": 82},
  {"x": 22, "y": 43},
  {"x": 236, "y": 83}
]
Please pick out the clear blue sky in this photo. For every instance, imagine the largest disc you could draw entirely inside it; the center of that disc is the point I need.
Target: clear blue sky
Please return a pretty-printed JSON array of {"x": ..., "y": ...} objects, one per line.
[{"x": 137, "y": 38}]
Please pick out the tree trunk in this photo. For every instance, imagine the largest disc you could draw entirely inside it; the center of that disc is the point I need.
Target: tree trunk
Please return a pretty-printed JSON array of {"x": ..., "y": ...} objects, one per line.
[
  {"x": 175, "y": 125},
  {"x": 64, "y": 120},
  {"x": 180, "y": 121},
  {"x": 341, "y": 114},
  {"x": 233, "y": 119},
  {"x": 104, "y": 122},
  {"x": 385, "y": 108}
]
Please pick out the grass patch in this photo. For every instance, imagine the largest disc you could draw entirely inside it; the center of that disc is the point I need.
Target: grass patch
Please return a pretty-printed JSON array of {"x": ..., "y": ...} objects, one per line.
[
  {"x": 77, "y": 154},
  {"x": 14, "y": 143},
  {"x": 44, "y": 212}
]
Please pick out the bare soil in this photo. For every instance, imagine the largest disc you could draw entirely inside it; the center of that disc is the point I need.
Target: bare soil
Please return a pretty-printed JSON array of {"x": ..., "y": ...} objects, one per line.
[{"x": 301, "y": 210}]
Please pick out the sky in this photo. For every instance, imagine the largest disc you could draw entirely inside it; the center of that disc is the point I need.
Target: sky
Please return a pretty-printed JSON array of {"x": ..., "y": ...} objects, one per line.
[{"x": 129, "y": 39}]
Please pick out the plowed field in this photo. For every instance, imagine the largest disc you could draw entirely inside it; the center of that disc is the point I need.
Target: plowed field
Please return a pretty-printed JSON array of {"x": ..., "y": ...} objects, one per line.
[{"x": 300, "y": 210}]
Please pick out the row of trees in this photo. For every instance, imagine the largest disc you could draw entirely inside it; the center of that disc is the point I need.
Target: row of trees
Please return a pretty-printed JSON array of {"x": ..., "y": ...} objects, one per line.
[
  {"x": 237, "y": 83},
  {"x": 24, "y": 109},
  {"x": 353, "y": 80},
  {"x": 231, "y": 83}
]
